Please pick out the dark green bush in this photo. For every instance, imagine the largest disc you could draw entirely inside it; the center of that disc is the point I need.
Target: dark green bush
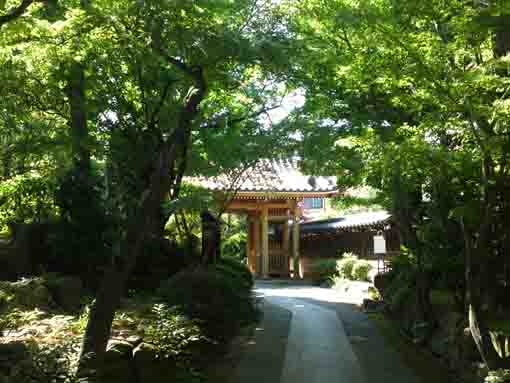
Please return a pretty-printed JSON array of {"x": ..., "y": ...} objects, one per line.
[
  {"x": 325, "y": 269},
  {"x": 217, "y": 296},
  {"x": 237, "y": 270}
]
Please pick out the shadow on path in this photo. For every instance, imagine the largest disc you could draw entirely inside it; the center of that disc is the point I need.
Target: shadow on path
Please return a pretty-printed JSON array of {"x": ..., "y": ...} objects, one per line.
[
  {"x": 263, "y": 357},
  {"x": 308, "y": 334}
]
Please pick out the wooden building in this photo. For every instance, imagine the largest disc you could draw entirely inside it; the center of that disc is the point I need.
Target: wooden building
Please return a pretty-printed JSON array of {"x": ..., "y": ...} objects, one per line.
[
  {"x": 353, "y": 233},
  {"x": 274, "y": 196}
]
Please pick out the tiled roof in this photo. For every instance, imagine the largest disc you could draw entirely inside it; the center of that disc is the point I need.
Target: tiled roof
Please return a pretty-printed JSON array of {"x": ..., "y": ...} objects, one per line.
[
  {"x": 270, "y": 176},
  {"x": 348, "y": 222}
]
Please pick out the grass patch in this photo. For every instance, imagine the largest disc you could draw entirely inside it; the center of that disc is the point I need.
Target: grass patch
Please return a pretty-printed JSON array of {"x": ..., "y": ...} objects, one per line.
[{"x": 425, "y": 365}]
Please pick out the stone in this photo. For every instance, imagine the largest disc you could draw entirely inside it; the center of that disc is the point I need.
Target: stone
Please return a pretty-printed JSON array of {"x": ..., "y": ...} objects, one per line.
[
  {"x": 134, "y": 340},
  {"x": 117, "y": 364},
  {"x": 150, "y": 368},
  {"x": 67, "y": 292},
  {"x": 120, "y": 347},
  {"x": 29, "y": 293}
]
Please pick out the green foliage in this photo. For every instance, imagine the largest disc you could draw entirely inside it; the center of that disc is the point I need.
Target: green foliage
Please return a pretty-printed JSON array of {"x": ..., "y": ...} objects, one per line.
[
  {"x": 172, "y": 333},
  {"x": 326, "y": 269},
  {"x": 235, "y": 245},
  {"x": 345, "y": 265},
  {"x": 374, "y": 293},
  {"x": 54, "y": 362},
  {"x": 400, "y": 295},
  {"x": 498, "y": 376},
  {"x": 26, "y": 198},
  {"x": 360, "y": 270},
  {"x": 221, "y": 302},
  {"x": 236, "y": 270},
  {"x": 5, "y": 298}
]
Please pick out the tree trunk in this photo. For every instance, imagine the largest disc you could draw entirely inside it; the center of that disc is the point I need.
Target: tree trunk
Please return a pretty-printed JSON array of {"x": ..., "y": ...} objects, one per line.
[
  {"x": 474, "y": 289},
  {"x": 140, "y": 225}
]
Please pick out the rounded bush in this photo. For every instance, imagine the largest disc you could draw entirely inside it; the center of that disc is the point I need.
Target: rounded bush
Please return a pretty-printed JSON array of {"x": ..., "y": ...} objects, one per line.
[
  {"x": 217, "y": 296},
  {"x": 325, "y": 269},
  {"x": 236, "y": 269},
  {"x": 345, "y": 266},
  {"x": 360, "y": 270}
]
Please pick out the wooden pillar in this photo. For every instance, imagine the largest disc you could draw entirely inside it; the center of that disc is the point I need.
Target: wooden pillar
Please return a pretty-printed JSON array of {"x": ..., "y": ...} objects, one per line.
[
  {"x": 250, "y": 254},
  {"x": 256, "y": 244},
  {"x": 295, "y": 244},
  {"x": 265, "y": 242},
  {"x": 285, "y": 245}
]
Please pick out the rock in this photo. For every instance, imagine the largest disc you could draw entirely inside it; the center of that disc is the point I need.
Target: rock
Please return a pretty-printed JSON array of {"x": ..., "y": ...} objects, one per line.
[
  {"x": 134, "y": 340},
  {"x": 150, "y": 368},
  {"x": 117, "y": 365},
  {"x": 120, "y": 347},
  {"x": 67, "y": 292},
  {"x": 29, "y": 293}
]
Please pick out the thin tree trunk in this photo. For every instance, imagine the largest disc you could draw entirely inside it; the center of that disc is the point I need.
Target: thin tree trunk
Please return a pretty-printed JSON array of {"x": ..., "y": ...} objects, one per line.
[{"x": 140, "y": 226}]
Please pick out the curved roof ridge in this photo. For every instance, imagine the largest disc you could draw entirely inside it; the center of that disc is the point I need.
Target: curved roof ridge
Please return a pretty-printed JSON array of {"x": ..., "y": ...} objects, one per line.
[{"x": 271, "y": 175}]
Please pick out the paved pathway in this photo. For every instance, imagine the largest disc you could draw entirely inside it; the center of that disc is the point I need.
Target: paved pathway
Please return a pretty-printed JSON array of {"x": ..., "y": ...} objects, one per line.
[{"x": 309, "y": 335}]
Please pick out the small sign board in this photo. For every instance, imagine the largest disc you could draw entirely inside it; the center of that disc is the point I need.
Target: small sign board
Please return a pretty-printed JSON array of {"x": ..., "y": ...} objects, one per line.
[{"x": 379, "y": 244}]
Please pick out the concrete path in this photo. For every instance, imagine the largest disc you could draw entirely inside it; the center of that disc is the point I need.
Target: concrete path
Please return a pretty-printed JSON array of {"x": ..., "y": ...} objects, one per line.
[{"x": 309, "y": 335}]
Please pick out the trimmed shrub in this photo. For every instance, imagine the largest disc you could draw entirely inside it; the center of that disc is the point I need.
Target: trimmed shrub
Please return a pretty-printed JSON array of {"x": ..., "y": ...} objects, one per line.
[
  {"x": 345, "y": 265},
  {"x": 325, "y": 269},
  {"x": 236, "y": 269},
  {"x": 360, "y": 270},
  {"x": 219, "y": 297}
]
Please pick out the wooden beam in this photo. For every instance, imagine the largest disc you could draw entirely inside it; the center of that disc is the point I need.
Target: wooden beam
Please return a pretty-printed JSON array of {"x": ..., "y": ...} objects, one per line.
[{"x": 239, "y": 205}]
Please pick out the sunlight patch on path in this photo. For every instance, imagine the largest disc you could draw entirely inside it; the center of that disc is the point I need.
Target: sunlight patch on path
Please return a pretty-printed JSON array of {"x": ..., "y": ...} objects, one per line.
[{"x": 318, "y": 349}]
